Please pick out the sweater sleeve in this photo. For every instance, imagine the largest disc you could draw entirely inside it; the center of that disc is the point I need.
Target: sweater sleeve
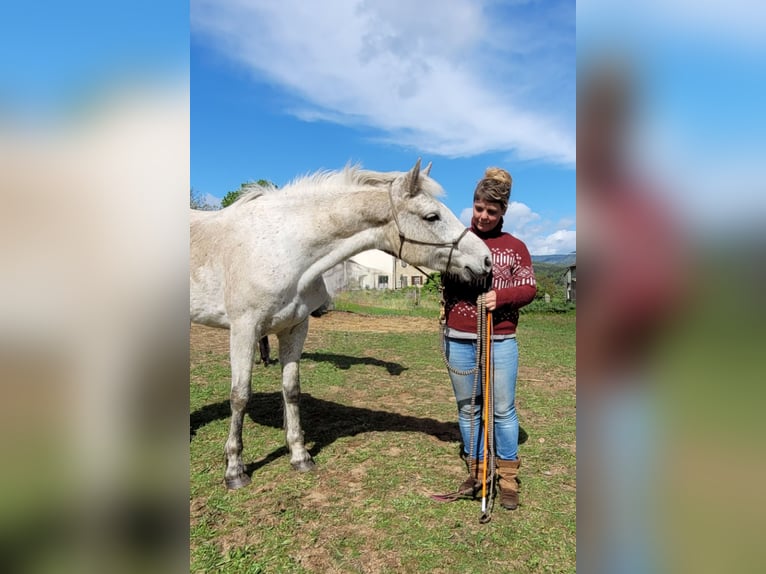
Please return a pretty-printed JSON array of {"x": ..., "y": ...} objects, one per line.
[{"x": 523, "y": 285}]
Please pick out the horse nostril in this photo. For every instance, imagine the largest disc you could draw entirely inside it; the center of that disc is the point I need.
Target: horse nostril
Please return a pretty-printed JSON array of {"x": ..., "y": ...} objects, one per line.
[{"x": 487, "y": 263}]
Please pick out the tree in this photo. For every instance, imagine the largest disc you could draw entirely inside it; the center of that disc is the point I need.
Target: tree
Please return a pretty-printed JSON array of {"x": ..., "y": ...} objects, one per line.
[
  {"x": 196, "y": 201},
  {"x": 545, "y": 284},
  {"x": 550, "y": 279},
  {"x": 433, "y": 283},
  {"x": 232, "y": 196}
]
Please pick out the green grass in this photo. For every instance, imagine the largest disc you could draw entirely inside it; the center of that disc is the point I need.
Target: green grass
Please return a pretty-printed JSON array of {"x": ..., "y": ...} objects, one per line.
[
  {"x": 425, "y": 303},
  {"x": 411, "y": 302},
  {"x": 379, "y": 418}
]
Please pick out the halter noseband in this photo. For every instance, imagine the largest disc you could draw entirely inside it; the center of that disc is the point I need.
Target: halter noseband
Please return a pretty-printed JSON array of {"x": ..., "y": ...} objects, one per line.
[{"x": 403, "y": 238}]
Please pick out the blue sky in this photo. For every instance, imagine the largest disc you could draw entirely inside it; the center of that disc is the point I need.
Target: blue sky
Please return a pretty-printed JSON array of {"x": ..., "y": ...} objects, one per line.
[
  {"x": 701, "y": 128},
  {"x": 280, "y": 89},
  {"x": 56, "y": 54},
  {"x": 277, "y": 91}
]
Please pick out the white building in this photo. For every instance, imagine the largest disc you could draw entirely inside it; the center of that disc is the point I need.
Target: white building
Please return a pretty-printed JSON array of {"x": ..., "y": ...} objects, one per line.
[{"x": 373, "y": 269}]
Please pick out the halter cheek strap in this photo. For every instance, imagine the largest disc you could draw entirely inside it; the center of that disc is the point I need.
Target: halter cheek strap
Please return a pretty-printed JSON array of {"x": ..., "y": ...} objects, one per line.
[
  {"x": 403, "y": 238},
  {"x": 454, "y": 246}
]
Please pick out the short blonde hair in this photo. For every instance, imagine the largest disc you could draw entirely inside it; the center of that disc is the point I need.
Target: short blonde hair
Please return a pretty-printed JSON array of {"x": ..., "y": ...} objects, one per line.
[{"x": 494, "y": 187}]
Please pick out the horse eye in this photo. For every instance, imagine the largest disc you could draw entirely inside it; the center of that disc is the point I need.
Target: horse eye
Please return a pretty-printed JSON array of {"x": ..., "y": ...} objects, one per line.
[{"x": 431, "y": 217}]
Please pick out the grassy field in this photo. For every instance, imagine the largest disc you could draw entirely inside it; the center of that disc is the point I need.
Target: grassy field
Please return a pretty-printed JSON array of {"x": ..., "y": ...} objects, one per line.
[
  {"x": 380, "y": 421},
  {"x": 409, "y": 302}
]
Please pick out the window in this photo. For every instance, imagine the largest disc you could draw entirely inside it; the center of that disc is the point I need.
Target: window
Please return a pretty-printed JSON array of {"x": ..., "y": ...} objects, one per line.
[
  {"x": 382, "y": 281},
  {"x": 417, "y": 280},
  {"x": 404, "y": 281}
]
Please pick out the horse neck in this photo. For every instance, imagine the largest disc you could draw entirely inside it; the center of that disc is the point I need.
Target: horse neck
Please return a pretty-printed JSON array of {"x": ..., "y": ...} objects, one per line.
[{"x": 347, "y": 223}]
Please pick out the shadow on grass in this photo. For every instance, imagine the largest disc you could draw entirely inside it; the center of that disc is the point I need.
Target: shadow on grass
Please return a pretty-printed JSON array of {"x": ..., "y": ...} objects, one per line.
[
  {"x": 346, "y": 361},
  {"x": 323, "y": 421}
]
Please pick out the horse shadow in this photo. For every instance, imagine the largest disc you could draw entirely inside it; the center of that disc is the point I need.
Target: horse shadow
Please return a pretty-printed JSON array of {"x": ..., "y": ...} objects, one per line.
[
  {"x": 328, "y": 421},
  {"x": 345, "y": 362}
]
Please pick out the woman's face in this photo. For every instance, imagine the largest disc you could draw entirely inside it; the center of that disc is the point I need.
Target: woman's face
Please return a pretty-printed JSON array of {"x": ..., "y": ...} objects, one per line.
[{"x": 486, "y": 215}]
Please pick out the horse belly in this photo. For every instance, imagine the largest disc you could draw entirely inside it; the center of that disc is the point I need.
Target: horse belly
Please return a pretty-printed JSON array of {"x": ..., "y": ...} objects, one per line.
[
  {"x": 210, "y": 319},
  {"x": 206, "y": 305}
]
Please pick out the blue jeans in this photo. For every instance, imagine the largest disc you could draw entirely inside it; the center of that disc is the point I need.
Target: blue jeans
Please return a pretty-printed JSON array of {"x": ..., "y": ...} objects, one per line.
[{"x": 505, "y": 358}]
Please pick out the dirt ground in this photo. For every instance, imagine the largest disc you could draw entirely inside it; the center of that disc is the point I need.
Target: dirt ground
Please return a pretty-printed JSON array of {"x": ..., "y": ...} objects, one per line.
[{"x": 217, "y": 340}]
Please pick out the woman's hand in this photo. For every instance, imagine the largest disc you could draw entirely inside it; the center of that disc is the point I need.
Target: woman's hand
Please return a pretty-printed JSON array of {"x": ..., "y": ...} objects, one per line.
[{"x": 490, "y": 299}]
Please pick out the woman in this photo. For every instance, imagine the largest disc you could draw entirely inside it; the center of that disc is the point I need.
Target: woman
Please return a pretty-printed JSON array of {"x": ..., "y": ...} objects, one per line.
[{"x": 511, "y": 285}]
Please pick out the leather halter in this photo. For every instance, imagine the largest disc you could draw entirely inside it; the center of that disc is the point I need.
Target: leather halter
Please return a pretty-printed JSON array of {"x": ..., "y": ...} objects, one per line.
[{"x": 403, "y": 238}]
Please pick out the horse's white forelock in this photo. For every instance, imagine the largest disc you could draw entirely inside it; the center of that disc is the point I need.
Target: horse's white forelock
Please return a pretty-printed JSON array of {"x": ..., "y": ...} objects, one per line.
[{"x": 327, "y": 181}]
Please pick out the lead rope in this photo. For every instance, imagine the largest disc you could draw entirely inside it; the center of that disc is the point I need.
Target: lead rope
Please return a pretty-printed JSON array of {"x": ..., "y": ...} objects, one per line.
[
  {"x": 483, "y": 359},
  {"x": 489, "y": 426},
  {"x": 481, "y": 331},
  {"x": 480, "y": 327}
]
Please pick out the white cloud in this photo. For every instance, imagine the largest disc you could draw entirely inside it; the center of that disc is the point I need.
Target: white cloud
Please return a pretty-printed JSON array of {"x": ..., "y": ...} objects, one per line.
[
  {"x": 735, "y": 22},
  {"x": 566, "y": 222},
  {"x": 559, "y": 242},
  {"x": 455, "y": 81},
  {"x": 520, "y": 214},
  {"x": 465, "y": 216},
  {"x": 541, "y": 237}
]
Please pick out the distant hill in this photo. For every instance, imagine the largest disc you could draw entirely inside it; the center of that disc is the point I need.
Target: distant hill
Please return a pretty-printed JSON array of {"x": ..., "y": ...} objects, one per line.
[{"x": 562, "y": 259}]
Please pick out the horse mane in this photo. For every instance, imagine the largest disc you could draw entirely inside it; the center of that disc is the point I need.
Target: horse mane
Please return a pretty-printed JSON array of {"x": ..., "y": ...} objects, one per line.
[
  {"x": 251, "y": 191},
  {"x": 324, "y": 181}
]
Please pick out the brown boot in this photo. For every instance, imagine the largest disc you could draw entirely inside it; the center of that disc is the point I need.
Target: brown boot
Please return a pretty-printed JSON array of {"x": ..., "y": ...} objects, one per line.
[
  {"x": 472, "y": 484},
  {"x": 507, "y": 473}
]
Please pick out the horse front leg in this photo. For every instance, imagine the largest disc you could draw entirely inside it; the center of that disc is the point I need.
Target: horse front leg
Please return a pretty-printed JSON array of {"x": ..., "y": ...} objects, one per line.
[
  {"x": 290, "y": 349},
  {"x": 242, "y": 349}
]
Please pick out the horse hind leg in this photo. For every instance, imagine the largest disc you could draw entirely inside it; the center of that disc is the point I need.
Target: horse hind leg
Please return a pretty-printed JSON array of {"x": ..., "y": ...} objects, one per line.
[
  {"x": 242, "y": 350},
  {"x": 290, "y": 349}
]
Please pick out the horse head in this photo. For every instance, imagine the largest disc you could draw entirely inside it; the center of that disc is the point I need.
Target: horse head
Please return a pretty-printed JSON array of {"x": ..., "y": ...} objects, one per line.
[{"x": 425, "y": 232}]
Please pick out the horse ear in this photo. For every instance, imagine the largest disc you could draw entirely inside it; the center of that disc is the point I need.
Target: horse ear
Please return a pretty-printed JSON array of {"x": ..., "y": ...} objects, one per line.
[
  {"x": 412, "y": 179},
  {"x": 427, "y": 170}
]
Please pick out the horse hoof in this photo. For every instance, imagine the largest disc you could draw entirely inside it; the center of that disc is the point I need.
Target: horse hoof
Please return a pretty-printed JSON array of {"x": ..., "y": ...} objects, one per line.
[
  {"x": 237, "y": 482},
  {"x": 304, "y": 465}
]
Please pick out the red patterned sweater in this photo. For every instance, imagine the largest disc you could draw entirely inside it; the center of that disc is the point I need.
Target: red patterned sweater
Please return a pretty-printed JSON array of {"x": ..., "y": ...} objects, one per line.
[{"x": 512, "y": 278}]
